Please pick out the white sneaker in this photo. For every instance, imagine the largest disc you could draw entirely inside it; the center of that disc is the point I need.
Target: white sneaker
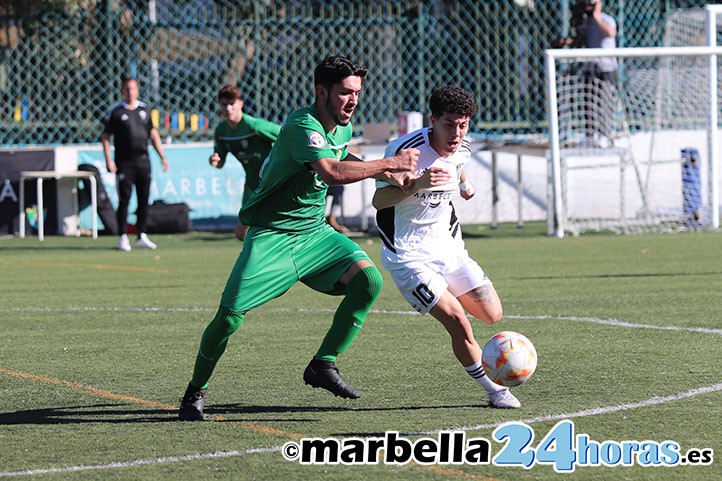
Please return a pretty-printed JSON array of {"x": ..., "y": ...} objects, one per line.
[
  {"x": 144, "y": 243},
  {"x": 504, "y": 399},
  {"x": 124, "y": 243}
]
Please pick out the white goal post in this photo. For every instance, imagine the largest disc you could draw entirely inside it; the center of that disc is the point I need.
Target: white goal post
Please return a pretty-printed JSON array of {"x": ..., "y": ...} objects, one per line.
[
  {"x": 667, "y": 92},
  {"x": 596, "y": 124}
]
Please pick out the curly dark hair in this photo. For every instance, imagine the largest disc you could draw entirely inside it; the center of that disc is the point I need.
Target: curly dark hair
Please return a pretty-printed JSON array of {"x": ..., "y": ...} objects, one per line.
[
  {"x": 453, "y": 100},
  {"x": 332, "y": 70}
]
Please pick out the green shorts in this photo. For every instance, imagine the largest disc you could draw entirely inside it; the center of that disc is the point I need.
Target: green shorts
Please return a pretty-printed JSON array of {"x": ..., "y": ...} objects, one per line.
[{"x": 272, "y": 261}]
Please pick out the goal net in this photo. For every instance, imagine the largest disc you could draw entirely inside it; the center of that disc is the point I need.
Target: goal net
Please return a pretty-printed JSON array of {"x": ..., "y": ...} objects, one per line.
[
  {"x": 631, "y": 149},
  {"x": 687, "y": 27}
]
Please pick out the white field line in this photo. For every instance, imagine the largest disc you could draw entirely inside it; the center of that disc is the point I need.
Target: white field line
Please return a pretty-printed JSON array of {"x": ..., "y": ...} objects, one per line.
[
  {"x": 107, "y": 309},
  {"x": 588, "y": 412},
  {"x": 656, "y": 400},
  {"x": 229, "y": 454},
  {"x": 141, "y": 462},
  {"x": 615, "y": 322},
  {"x": 610, "y": 322}
]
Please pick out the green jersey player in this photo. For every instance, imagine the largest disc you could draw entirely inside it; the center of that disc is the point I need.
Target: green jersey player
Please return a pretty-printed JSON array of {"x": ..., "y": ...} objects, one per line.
[
  {"x": 289, "y": 240},
  {"x": 248, "y": 138}
]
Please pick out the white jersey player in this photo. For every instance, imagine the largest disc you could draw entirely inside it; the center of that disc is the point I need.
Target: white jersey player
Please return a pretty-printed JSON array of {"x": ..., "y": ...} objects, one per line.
[
  {"x": 422, "y": 247},
  {"x": 423, "y": 227}
]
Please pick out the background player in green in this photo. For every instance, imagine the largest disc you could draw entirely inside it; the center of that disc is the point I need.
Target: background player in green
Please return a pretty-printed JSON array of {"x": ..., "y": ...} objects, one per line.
[
  {"x": 289, "y": 240},
  {"x": 248, "y": 138}
]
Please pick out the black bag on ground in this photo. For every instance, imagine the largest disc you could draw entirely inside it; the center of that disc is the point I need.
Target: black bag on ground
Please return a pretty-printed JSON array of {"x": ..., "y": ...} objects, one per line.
[
  {"x": 106, "y": 211},
  {"x": 168, "y": 218}
]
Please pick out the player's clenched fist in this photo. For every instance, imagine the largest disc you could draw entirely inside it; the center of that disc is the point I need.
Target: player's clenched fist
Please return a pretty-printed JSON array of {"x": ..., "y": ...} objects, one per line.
[
  {"x": 406, "y": 160},
  {"x": 434, "y": 177},
  {"x": 215, "y": 160}
]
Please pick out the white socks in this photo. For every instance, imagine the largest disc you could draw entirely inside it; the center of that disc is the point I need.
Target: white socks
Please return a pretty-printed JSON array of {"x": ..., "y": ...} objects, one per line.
[{"x": 477, "y": 372}]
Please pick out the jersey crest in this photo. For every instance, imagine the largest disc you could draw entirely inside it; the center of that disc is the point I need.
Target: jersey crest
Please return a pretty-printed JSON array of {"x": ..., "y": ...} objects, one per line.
[{"x": 316, "y": 140}]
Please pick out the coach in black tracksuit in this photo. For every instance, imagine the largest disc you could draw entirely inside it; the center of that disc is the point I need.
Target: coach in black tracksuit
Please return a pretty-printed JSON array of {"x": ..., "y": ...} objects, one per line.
[{"x": 129, "y": 123}]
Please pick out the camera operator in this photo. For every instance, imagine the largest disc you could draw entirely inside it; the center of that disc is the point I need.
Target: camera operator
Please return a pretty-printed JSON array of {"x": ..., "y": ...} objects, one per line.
[{"x": 592, "y": 28}]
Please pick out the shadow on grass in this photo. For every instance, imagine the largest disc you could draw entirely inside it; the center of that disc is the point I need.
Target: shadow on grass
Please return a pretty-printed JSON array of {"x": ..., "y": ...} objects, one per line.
[
  {"x": 97, "y": 413},
  {"x": 242, "y": 409},
  {"x": 285, "y": 413},
  {"x": 214, "y": 237},
  {"x": 122, "y": 414}
]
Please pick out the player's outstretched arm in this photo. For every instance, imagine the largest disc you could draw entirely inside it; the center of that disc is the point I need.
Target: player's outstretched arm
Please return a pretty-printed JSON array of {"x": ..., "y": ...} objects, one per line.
[
  {"x": 399, "y": 179},
  {"x": 390, "y": 195},
  {"x": 334, "y": 172}
]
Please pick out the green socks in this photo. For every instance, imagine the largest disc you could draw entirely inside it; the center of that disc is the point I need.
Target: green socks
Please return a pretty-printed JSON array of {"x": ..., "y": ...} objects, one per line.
[
  {"x": 361, "y": 293},
  {"x": 213, "y": 344}
]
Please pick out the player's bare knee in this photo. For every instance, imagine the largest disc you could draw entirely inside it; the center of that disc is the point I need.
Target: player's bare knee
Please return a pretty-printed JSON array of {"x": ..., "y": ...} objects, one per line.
[
  {"x": 483, "y": 303},
  {"x": 494, "y": 315}
]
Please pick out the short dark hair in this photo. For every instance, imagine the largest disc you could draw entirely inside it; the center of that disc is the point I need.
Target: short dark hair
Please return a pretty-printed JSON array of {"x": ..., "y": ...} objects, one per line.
[
  {"x": 453, "y": 100},
  {"x": 125, "y": 80},
  {"x": 332, "y": 70},
  {"x": 230, "y": 92}
]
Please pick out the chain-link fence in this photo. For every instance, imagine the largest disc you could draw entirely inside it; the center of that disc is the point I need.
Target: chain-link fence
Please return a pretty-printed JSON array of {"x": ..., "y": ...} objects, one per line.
[{"x": 61, "y": 63}]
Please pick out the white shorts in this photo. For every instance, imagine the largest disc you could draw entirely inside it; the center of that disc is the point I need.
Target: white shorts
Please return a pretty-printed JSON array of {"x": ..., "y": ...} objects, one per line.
[{"x": 422, "y": 284}]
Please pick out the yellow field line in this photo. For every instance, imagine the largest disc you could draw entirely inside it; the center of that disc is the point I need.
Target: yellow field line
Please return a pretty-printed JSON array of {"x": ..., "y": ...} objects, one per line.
[
  {"x": 82, "y": 387},
  {"x": 91, "y": 266},
  {"x": 250, "y": 426},
  {"x": 144, "y": 402}
]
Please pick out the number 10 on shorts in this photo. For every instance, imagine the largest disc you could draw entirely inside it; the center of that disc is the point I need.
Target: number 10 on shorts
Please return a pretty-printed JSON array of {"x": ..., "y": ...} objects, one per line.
[{"x": 565, "y": 451}]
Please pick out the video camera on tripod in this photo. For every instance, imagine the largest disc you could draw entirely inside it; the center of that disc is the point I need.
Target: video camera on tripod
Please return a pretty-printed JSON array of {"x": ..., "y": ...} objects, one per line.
[{"x": 582, "y": 11}]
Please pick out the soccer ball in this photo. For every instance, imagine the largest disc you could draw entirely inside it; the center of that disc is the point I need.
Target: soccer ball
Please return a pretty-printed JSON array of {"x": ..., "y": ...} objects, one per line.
[{"x": 509, "y": 358}]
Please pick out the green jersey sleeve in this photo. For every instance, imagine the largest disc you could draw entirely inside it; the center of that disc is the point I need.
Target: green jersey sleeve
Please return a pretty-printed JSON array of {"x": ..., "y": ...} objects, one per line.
[
  {"x": 264, "y": 128},
  {"x": 311, "y": 143},
  {"x": 291, "y": 195},
  {"x": 219, "y": 146}
]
